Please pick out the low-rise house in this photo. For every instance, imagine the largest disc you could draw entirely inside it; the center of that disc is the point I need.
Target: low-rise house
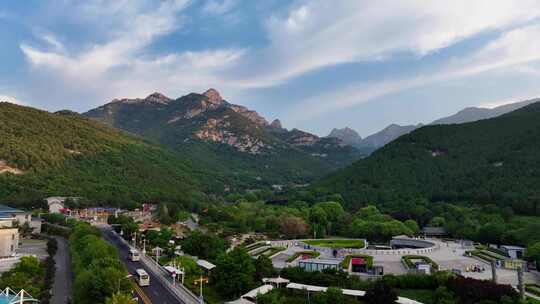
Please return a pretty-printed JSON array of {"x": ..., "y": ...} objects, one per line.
[
  {"x": 514, "y": 252},
  {"x": 57, "y": 203},
  {"x": 434, "y": 232},
  {"x": 319, "y": 264},
  {"x": 15, "y": 215}
]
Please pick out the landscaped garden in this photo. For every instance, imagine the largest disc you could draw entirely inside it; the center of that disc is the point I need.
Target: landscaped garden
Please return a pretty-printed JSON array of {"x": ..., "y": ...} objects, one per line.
[
  {"x": 311, "y": 254},
  {"x": 337, "y": 243},
  {"x": 410, "y": 261},
  {"x": 271, "y": 251},
  {"x": 533, "y": 289},
  {"x": 347, "y": 260}
]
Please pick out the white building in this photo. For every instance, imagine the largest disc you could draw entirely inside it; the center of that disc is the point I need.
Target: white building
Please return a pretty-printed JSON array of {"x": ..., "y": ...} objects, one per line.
[
  {"x": 514, "y": 252},
  {"x": 56, "y": 203},
  {"x": 9, "y": 238}
]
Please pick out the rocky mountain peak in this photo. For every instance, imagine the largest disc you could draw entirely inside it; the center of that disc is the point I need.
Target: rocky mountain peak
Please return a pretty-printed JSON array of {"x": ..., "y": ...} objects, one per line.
[
  {"x": 213, "y": 96},
  {"x": 347, "y": 135},
  {"x": 276, "y": 124},
  {"x": 158, "y": 98}
]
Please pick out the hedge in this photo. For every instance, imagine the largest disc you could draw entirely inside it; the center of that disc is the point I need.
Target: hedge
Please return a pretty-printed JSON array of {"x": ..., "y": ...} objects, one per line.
[
  {"x": 407, "y": 260},
  {"x": 347, "y": 260},
  {"x": 313, "y": 254},
  {"x": 533, "y": 288}
]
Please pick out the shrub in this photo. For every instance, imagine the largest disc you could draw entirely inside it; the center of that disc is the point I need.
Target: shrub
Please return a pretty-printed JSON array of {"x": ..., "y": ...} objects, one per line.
[{"x": 473, "y": 291}]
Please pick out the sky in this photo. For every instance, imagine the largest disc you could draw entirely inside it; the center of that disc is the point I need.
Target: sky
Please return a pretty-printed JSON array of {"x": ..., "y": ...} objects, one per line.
[{"x": 314, "y": 64}]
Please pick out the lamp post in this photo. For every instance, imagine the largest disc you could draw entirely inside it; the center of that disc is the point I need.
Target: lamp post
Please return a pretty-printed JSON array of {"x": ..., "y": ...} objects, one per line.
[{"x": 201, "y": 281}]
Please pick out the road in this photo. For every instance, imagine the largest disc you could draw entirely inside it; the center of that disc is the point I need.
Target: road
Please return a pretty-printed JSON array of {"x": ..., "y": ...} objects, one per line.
[
  {"x": 63, "y": 275},
  {"x": 158, "y": 292}
]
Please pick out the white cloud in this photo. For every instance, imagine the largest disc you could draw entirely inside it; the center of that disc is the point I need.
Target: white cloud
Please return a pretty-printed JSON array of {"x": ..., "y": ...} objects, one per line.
[
  {"x": 218, "y": 7},
  {"x": 53, "y": 41},
  {"x": 311, "y": 35},
  {"x": 511, "y": 49},
  {"x": 317, "y": 34},
  {"x": 119, "y": 66},
  {"x": 11, "y": 99}
]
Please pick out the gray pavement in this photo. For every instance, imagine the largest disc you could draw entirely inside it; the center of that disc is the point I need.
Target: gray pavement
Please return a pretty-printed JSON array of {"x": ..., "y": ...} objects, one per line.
[{"x": 63, "y": 275}]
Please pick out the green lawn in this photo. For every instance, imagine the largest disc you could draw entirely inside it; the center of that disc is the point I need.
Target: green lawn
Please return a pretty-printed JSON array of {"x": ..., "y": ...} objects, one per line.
[{"x": 333, "y": 243}]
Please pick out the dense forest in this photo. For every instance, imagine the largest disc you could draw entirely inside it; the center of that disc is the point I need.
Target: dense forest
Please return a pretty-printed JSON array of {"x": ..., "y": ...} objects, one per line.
[
  {"x": 66, "y": 154},
  {"x": 493, "y": 161}
]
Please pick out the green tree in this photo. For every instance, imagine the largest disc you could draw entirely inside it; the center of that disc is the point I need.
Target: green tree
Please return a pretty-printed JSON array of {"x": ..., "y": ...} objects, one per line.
[
  {"x": 263, "y": 268},
  {"x": 413, "y": 226},
  {"x": 334, "y": 295},
  {"x": 443, "y": 296},
  {"x": 380, "y": 293},
  {"x": 120, "y": 298},
  {"x": 234, "y": 273},
  {"x": 533, "y": 252}
]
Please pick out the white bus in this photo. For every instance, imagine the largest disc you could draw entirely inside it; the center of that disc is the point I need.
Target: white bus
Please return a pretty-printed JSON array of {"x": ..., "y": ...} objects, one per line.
[
  {"x": 134, "y": 255},
  {"x": 142, "y": 277}
]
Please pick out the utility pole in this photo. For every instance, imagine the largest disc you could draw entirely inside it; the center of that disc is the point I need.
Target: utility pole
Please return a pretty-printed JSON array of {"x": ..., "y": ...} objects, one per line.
[
  {"x": 520, "y": 282},
  {"x": 493, "y": 272}
]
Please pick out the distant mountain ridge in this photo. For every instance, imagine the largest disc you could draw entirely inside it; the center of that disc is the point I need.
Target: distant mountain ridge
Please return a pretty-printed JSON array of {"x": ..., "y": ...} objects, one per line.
[
  {"x": 207, "y": 129},
  {"x": 490, "y": 161},
  {"x": 393, "y": 131}
]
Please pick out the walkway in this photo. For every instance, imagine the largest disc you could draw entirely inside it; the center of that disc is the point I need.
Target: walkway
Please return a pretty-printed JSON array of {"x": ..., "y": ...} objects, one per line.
[{"x": 63, "y": 276}]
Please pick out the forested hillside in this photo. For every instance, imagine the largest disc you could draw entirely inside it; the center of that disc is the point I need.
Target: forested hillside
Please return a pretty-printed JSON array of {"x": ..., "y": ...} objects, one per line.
[
  {"x": 494, "y": 161},
  {"x": 66, "y": 154}
]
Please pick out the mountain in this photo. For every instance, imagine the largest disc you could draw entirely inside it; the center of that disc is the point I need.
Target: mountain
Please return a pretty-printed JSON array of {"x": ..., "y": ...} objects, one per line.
[
  {"x": 46, "y": 154},
  {"x": 474, "y": 113},
  {"x": 227, "y": 138},
  {"x": 393, "y": 131},
  {"x": 347, "y": 135},
  {"x": 488, "y": 161},
  {"x": 387, "y": 135}
]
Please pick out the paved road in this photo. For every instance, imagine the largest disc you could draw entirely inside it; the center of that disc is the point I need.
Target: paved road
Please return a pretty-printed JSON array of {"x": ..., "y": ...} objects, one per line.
[
  {"x": 63, "y": 275},
  {"x": 157, "y": 292}
]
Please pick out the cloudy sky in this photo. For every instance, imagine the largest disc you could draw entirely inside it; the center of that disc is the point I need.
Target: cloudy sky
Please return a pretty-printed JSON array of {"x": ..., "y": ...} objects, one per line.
[{"x": 314, "y": 64}]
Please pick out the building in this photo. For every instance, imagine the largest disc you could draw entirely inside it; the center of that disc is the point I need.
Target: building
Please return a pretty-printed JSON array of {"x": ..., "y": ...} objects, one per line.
[
  {"x": 9, "y": 238},
  {"x": 15, "y": 215},
  {"x": 515, "y": 264},
  {"x": 319, "y": 264},
  {"x": 56, "y": 204},
  {"x": 514, "y": 252},
  {"x": 434, "y": 231}
]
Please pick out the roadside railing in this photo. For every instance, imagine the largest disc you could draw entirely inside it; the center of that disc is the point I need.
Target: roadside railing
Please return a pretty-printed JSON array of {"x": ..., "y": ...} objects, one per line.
[{"x": 179, "y": 290}]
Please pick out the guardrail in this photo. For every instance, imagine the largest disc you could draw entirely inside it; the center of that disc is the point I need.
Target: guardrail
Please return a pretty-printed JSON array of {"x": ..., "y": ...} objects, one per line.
[{"x": 180, "y": 291}]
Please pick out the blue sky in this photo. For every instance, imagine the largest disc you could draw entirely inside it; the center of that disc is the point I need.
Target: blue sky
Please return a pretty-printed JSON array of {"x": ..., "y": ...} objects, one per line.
[{"x": 314, "y": 64}]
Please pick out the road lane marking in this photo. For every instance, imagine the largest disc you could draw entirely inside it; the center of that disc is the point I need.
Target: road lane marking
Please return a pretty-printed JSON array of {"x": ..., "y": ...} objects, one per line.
[{"x": 141, "y": 294}]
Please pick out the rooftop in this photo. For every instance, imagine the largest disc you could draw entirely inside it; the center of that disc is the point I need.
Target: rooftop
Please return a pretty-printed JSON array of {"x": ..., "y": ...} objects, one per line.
[
  {"x": 205, "y": 264},
  {"x": 6, "y": 209},
  {"x": 511, "y": 247},
  {"x": 321, "y": 261}
]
